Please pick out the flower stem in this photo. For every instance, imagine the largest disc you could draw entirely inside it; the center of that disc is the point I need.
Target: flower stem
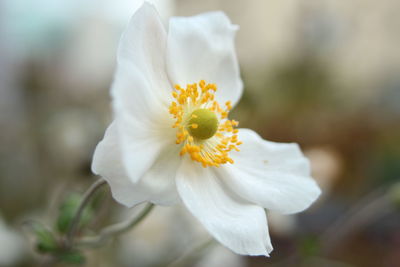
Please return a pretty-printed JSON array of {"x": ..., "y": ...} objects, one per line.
[
  {"x": 192, "y": 256},
  {"x": 115, "y": 229},
  {"x": 85, "y": 200},
  {"x": 370, "y": 209}
]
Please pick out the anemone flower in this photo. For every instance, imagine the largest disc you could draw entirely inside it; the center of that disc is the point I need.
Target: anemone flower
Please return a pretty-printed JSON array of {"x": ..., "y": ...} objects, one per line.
[{"x": 171, "y": 140}]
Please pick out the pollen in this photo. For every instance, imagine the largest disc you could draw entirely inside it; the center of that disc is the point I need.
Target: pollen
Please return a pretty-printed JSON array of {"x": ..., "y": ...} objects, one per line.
[{"x": 203, "y": 130}]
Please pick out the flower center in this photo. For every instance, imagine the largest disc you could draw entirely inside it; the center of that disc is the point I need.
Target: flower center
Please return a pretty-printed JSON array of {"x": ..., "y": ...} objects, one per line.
[
  {"x": 203, "y": 124},
  {"x": 203, "y": 130}
]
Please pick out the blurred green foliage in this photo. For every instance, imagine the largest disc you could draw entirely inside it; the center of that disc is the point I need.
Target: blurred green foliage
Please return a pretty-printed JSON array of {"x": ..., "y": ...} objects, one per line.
[{"x": 67, "y": 211}]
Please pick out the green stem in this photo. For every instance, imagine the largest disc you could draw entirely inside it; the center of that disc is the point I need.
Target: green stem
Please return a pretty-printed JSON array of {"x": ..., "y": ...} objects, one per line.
[
  {"x": 69, "y": 238},
  {"x": 115, "y": 229},
  {"x": 193, "y": 255}
]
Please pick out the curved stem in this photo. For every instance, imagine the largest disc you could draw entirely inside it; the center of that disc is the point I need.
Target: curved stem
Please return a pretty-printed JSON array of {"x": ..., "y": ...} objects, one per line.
[
  {"x": 373, "y": 209},
  {"x": 85, "y": 200},
  {"x": 115, "y": 229},
  {"x": 193, "y": 255},
  {"x": 369, "y": 209}
]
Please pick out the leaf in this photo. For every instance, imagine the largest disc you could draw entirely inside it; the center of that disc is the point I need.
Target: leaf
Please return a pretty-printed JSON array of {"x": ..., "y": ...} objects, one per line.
[
  {"x": 46, "y": 242},
  {"x": 68, "y": 210},
  {"x": 72, "y": 257}
]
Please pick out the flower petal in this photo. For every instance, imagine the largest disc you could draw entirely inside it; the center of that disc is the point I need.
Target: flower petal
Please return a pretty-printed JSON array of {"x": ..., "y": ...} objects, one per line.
[
  {"x": 273, "y": 175},
  {"x": 157, "y": 186},
  {"x": 202, "y": 48},
  {"x": 240, "y": 226},
  {"x": 141, "y": 83},
  {"x": 141, "y": 91}
]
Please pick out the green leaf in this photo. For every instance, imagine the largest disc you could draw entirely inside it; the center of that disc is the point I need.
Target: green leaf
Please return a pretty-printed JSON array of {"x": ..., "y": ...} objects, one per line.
[
  {"x": 394, "y": 194},
  {"x": 68, "y": 210},
  {"x": 309, "y": 246},
  {"x": 45, "y": 240},
  {"x": 72, "y": 257}
]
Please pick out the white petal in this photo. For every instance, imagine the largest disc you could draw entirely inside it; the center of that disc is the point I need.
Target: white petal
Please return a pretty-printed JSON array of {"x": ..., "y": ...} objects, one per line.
[
  {"x": 273, "y": 175},
  {"x": 157, "y": 186},
  {"x": 143, "y": 46},
  {"x": 202, "y": 47},
  {"x": 141, "y": 92},
  {"x": 240, "y": 226}
]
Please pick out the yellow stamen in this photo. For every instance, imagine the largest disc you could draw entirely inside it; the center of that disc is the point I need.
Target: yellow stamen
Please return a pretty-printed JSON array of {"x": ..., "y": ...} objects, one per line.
[{"x": 203, "y": 129}]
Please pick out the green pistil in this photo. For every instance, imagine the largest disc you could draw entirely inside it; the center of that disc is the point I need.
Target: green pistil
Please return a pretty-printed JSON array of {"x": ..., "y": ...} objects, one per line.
[{"x": 203, "y": 124}]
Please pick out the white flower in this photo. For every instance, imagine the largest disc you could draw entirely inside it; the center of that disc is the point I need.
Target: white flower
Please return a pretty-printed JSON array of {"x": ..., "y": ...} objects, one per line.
[
  {"x": 168, "y": 144},
  {"x": 13, "y": 247}
]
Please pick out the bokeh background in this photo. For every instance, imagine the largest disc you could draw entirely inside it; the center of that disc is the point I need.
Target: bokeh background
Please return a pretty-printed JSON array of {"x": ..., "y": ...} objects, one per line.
[{"x": 322, "y": 73}]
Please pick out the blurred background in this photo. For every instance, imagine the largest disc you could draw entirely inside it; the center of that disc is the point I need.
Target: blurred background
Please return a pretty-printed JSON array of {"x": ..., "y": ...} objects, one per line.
[{"x": 322, "y": 73}]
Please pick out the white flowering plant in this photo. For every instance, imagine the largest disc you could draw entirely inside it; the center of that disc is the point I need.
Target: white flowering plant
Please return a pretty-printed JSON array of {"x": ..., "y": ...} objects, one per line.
[{"x": 172, "y": 141}]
